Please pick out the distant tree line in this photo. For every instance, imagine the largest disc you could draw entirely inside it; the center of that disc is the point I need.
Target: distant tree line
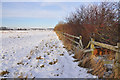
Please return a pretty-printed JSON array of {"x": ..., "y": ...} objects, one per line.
[{"x": 6, "y": 28}]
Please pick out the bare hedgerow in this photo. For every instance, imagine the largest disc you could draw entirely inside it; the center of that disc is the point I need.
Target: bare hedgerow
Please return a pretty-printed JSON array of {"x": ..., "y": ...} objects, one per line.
[{"x": 99, "y": 20}]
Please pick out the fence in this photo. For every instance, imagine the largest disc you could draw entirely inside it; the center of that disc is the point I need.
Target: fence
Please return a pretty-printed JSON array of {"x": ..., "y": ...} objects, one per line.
[
  {"x": 92, "y": 44},
  {"x": 79, "y": 38}
]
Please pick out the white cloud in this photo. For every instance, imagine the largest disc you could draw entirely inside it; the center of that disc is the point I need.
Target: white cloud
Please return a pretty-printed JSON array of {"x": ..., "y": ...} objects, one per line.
[
  {"x": 0, "y": 9},
  {"x": 33, "y": 13},
  {"x": 39, "y": 13},
  {"x": 59, "y": 0},
  {"x": 0, "y": 14},
  {"x": 63, "y": 6}
]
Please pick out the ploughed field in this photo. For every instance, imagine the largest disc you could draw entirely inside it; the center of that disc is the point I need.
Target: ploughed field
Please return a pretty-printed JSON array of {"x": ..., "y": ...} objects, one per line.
[{"x": 36, "y": 54}]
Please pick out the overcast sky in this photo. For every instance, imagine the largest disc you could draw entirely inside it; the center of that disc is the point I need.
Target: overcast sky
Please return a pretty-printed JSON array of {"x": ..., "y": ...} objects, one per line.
[{"x": 36, "y": 14}]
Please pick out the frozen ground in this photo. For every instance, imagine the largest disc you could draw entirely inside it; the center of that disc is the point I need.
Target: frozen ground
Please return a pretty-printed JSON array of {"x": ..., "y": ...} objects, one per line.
[{"x": 37, "y": 54}]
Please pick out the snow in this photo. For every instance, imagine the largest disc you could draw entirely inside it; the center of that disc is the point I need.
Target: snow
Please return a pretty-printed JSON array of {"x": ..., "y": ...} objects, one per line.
[{"x": 38, "y": 54}]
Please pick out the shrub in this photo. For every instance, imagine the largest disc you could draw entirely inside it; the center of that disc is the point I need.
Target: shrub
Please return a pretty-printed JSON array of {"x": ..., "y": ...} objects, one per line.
[{"x": 99, "y": 21}]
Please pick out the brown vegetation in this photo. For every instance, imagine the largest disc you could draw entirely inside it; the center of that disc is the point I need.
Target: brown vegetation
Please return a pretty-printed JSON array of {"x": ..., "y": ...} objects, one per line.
[
  {"x": 99, "y": 21},
  {"x": 4, "y": 72}
]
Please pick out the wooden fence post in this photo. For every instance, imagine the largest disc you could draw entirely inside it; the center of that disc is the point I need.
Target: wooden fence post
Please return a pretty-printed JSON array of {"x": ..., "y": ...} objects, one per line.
[
  {"x": 117, "y": 62},
  {"x": 92, "y": 46}
]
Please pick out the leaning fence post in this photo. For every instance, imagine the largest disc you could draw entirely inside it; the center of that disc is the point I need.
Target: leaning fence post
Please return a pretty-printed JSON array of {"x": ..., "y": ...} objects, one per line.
[
  {"x": 117, "y": 62},
  {"x": 80, "y": 41},
  {"x": 92, "y": 46}
]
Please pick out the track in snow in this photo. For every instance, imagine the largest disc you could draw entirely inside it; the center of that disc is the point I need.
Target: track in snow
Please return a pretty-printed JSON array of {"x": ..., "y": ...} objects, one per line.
[{"x": 38, "y": 54}]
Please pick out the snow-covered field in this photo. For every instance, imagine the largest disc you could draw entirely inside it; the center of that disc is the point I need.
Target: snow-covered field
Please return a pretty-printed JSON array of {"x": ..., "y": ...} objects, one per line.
[{"x": 38, "y": 54}]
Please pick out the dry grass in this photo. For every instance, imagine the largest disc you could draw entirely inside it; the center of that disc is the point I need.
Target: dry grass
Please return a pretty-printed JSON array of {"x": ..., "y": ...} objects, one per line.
[
  {"x": 87, "y": 28},
  {"x": 54, "y": 62},
  {"x": 4, "y": 72},
  {"x": 39, "y": 57}
]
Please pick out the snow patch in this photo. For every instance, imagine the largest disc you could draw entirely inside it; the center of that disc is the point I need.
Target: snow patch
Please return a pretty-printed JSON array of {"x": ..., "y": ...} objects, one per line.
[{"x": 38, "y": 54}]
